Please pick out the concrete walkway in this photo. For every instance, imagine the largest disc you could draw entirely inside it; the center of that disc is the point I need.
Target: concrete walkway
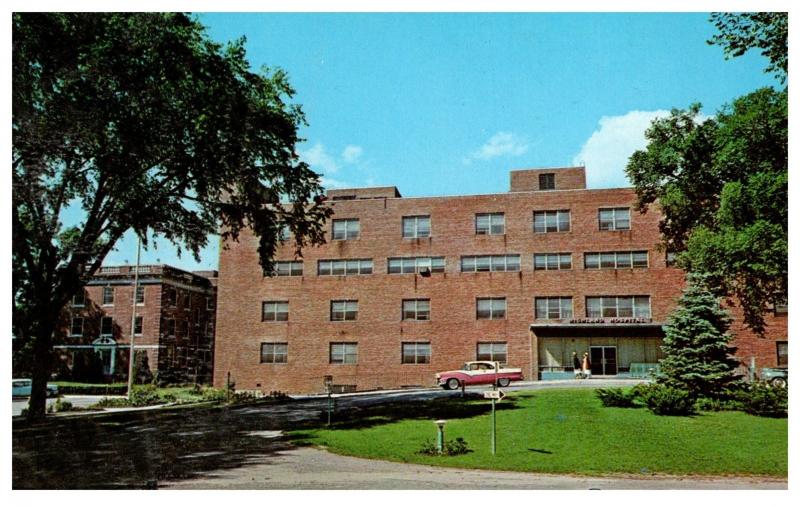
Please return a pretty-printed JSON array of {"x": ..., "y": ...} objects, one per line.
[{"x": 309, "y": 469}]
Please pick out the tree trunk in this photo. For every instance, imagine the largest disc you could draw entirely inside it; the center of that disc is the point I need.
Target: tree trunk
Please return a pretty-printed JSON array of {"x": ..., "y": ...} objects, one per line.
[{"x": 42, "y": 358}]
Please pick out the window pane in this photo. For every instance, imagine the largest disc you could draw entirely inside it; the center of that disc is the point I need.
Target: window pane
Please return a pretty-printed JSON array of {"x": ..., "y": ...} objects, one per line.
[
  {"x": 592, "y": 260},
  {"x": 338, "y": 268},
  {"x": 539, "y": 262},
  {"x": 482, "y": 264},
  {"x": 563, "y": 221},
  {"x": 538, "y": 222},
  {"x": 606, "y": 217},
  {"x": 551, "y": 222},
  {"x": 498, "y": 263},
  {"x": 395, "y": 266},
  {"x": 625, "y": 307},
  {"x": 484, "y": 309},
  {"x": 565, "y": 261},
  {"x": 352, "y": 267},
  {"x": 609, "y": 307},
  {"x": 552, "y": 262},
  {"x": 541, "y": 308},
  {"x": 623, "y": 260},
  {"x": 282, "y": 268},
  {"x": 437, "y": 264},
  {"x": 409, "y": 229},
  {"x": 553, "y": 308},
  {"x": 640, "y": 259},
  {"x": 642, "y": 307},
  {"x": 512, "y": 263},
  {"x": 409, "y": 265},
  {"x": 622, "y": 219},
  {"x": 482, "y": 224},
  {"x": 607, "y": 260},
  {"x": 498, "y": 223},
  {"x": 566, "y": 307},
  {"x": 593, "y": 307},
  {"x": 423, "y": 227},
  {"x": 352, "y": 228}
]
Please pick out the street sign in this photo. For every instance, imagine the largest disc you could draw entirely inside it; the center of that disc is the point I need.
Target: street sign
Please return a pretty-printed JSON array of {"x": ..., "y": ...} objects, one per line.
[{"x": 494, "y": 394}]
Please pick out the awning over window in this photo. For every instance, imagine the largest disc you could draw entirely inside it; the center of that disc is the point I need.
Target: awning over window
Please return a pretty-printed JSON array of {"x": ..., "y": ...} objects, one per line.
[{"x": 598, "y": 329}]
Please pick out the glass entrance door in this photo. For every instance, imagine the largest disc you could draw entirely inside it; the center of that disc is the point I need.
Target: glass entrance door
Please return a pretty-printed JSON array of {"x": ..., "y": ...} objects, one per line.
[{"x": 604, "y": 360}]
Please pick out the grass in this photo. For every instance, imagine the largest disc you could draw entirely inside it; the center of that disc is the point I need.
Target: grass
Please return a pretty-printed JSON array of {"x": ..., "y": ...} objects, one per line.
[{"x": 565, "y": 431}]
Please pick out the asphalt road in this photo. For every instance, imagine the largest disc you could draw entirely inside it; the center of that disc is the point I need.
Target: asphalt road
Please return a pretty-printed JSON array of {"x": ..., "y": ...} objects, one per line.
[{"x": 243, "y": 447}]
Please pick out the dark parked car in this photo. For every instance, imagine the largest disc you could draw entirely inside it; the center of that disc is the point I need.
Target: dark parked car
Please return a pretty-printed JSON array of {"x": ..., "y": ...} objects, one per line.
[{"x": 775, "y": 376}]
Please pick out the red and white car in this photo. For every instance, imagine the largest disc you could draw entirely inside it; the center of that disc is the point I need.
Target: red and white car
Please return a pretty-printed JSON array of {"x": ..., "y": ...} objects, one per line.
[{"x": 478, "y": 373}]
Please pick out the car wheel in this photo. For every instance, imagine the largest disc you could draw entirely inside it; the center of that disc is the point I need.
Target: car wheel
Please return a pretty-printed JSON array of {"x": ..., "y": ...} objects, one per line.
[
  {"x": 452, "y": 384},
  {"x": 779, "y": 382},
  {"x": 503, "y": 382}
]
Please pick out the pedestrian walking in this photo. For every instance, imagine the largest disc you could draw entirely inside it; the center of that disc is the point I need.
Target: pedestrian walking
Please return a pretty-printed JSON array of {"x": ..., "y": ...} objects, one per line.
[
  {"x": 576, "y": 365},
  {"x": 587, "y": 366}
]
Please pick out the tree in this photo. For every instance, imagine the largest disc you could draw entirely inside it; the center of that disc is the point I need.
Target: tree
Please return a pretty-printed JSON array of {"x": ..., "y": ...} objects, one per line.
[
  {"x": 768, "y": 31},
  {"x": 698, "y": 358},
  {"x": 145, "y": 124},
  {"x": 722, "y": 186}
]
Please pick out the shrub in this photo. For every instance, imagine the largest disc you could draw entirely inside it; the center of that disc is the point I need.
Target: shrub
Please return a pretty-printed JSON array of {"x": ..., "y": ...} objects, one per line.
[
  {"x": 90, "y": 389},
  {"x": 709, "y": 404},
  {"x": 669, "y": 401},
  {"x": 145, "y": 395},
  {"x": 759, "y": 399},
  {"x": 214, "y": 394},
  {"x": 242, "y": 397},
  {"x": 454, "y": 447},
  {"x": 617, "y": 397},
  {"x": 62, "y": 405}
]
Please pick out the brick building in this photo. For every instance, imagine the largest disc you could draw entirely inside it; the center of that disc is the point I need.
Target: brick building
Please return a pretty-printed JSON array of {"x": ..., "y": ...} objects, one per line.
[
  {"x": 406, "y": 287},
  {"x": 175, "y": 318}
]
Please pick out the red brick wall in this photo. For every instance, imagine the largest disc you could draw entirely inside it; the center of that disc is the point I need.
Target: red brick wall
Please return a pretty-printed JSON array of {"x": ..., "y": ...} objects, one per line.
[
  {"x": 567, "y": 178},
  {"x": 453, "y": 330}
]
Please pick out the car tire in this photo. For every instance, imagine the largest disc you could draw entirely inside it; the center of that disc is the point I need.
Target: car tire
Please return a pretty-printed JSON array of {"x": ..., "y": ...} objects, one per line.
[
  {"x": 452, "y": 384},
  {"x": 503, "y": 382},
  {"x": 778, "y": 382}
]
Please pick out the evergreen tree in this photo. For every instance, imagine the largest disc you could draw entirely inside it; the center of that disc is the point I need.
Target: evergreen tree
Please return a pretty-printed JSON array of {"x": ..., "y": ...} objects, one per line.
[{"x": 698, "y": 357}]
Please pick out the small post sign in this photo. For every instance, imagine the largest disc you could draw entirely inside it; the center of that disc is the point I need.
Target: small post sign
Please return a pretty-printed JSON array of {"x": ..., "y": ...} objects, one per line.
[
  {"x": 328, "y": 381},
  {"x": 495, "y": 396}
]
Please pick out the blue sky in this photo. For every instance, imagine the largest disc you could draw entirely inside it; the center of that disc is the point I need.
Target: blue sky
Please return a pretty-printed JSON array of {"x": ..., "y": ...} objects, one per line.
[{"x": 443, "y": 104}]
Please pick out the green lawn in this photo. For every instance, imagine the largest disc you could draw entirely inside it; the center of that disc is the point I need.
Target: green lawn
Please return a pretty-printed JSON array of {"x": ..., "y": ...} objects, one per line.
[{"x": 565, "y": 431}]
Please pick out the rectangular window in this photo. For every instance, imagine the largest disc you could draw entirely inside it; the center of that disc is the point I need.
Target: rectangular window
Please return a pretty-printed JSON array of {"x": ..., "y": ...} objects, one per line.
[
  {"x": 616, "y": 218},
  {"x": 417, "y": 309},
  {"x": 106, "y": 326},
  {"x": 410, "y": 265},
  {"x": 782, "y": 348},
  {"x": 781, "y": 304},
  {"x": 547, "y": 181},
  {"x": 415, "y": 227},
  {"x": 416, "y": 353},
  {"x": 346, "y": 229},
  {"x": 670, "y": 258},
  {"x": 344, "y": 353},
  {"x": 79, "y": 299},
  {"x": 275, "y": 311},
  {"x": 183, "y": 328},
  {"x": 551, "y": 221},
  {"x": 344, "y": 267},
  {"x": 137, "y": 325},
  {"x": 344, "y": 310},
  {"x": 288, "y": 268},
  {"x": 618, "y": 307},
  {"x": 170, "y": 297},
  {"x": 209, "y": 329},
  {"x": 169, "y": 327},
  {"x": 76, "y": 327},
  {"x": 616, "y": 260},
  {"x": 209, "y": 303},
  {"x": 274, "y": 353},
  {"x": 494, "y": 352},
  {"x": 490, "y": 224},
  {"x": 553, "y": 308},
  {"x": 285, "y": 233},
  {"x": 491, "y": 308},
  {"x": 139, "y": 295},
  {"x": 187, "y": 300},
  {"x": 108, "y": 295},
  {"x": 552, "y": 261},
  {"x": 493, "y": 263}
]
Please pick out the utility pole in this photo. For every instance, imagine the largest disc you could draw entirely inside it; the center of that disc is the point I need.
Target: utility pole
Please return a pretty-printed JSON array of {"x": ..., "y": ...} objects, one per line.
[{"x": 132, "y": 359}]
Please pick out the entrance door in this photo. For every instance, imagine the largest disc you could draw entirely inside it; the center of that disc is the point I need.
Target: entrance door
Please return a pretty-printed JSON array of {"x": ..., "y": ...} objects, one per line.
[{"x": 604, "y": 360}]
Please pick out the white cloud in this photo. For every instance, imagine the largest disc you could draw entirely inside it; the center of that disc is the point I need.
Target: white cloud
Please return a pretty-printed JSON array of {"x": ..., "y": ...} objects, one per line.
[
  {"x": 351, "y": 153},
  {"x": 330, "y": 183},
  {"x": 500, "y": 144},
  {"x": 607, "y": 150},
  {"x": 319, "y": 159}
]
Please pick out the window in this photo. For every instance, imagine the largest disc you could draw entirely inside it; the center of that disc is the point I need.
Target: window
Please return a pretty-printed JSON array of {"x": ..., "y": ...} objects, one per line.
[
  {"x": 617, "y": 218},
  {"x": 183, "y": 328},
  {"x": 344, "y": 267},
  {"x": 139, "y": 295},
  {"x": 344, "y": 353},
  {"x": 415, "y": 227},
  {"x": 275, "y": 311},
  {"x": 616, "y": 260},
  {"x": 209, "y": 329},
  {"x": 137, "y": 325},
  {"x": 274, "y": 353},
  {"x": 671, "y": 258},
  {"x": 553, "y": 308},
  {"x": 76, "y": 327},
  {"x": 551, "y": 221},
  {"x": 416, "y": 353},
  {"x": 493, "y": 263},
  {"x": 490, "y": 224},
  {"x": 410, "y": 265},
  {"x": 106, "y": 326},
  {"x": 782, "y": 347},
  {"x": 781, "y": 304},
  {"x": 288, "y": 268},
  {"x": 108, "y": 295},
  {"x": 547, "y": 181},
  {"x": 344, "y": 310},
  {"x": 552, "y": 261},
  {"x": 495, "y": 352},
  {"x": 209, "y": 303},
  {"x": 187, "y": 300},
  {"x": 79, "y": 299},
  {"x": 618, "y": 307},
  {"x": 493, "y": 308},
  {"x": 169, "y": 327},
  {"x": 285, "y": 233},
  {"x": 417, "y": 309},
  {"x": 171, "y": 297},
  {"x": 346, "y": 229}
]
